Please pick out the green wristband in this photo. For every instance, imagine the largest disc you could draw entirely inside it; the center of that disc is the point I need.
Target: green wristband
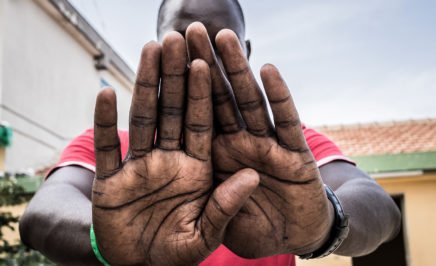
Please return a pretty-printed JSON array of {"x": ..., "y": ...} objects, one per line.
[{"x": 95, "y": 247}]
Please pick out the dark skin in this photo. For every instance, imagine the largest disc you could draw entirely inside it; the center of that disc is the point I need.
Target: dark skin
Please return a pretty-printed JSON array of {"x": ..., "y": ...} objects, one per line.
[
  {"x": 274, "y": 220},
  {"x": 158, "y": 207},
  {"x": 289, "y": 212},
  {"x": 159, "y": 204},
  {"x": 244, "y": 133},
  {"x": 284, "y": 193}
]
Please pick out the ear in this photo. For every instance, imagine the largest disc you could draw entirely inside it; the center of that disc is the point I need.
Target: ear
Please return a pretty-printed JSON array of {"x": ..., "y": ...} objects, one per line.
[{"x": 248, "y": 45}]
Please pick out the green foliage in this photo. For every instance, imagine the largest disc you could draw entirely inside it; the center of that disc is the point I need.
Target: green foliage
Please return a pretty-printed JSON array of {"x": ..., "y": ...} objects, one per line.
[
  {"x": 11, "y": 193},
  {"x": 15, "y": 253},
  {"x": 23, "y": 256}
]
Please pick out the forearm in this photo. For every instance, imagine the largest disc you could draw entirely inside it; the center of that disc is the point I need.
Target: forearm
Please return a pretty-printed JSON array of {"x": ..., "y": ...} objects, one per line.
[
  {"x": 57, "y": 223},
  {"x": 373, "y": 216}
]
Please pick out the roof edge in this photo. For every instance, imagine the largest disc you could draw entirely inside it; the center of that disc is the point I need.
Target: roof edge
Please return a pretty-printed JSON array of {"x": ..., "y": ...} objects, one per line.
[
  {"x": 386, "y": 123},
  {"x": 104, "y": 55},
  {"x": 389, "y": 163}
]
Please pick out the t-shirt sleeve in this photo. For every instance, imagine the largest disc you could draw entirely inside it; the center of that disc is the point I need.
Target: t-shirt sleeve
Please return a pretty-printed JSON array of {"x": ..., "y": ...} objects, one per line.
[
  {"x": 80, "y": 151},
  {"x": 323, "y": 149}
]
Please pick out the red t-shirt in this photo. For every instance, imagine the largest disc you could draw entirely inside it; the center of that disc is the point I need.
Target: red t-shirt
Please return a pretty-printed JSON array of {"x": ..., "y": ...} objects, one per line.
[{"x": 80, "y": 152}]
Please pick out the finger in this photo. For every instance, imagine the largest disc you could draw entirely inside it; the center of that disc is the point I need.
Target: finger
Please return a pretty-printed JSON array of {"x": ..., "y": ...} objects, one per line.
[
  {"x": 106, "y": 141},
  {"x": 172, "y": 94},
  {"x": 225, "y": 202},
  {"x": 248, "y": 94},
  {"x": 143, "y": 110},
  {"x": 225, "y": 110},
  {"x": 198, "y": 119},
  {"x": 286, "y": 120}
]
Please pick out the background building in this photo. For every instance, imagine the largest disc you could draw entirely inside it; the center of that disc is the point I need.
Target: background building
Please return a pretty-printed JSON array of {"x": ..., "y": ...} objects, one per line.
[
  {"x": 401, "y": 157},
  {"x": 52, "y": 65}
]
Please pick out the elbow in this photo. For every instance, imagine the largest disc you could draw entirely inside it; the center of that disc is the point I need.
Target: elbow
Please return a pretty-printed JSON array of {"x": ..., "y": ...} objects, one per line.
[
  {"x": 25, "y": 228},
  {"x": 396, "y": 222},
  {"x": 35, "y": 227},
  {"x": 389, "y": 216}
]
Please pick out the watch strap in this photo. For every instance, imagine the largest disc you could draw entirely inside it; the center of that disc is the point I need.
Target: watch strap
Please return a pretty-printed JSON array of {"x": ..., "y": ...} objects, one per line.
[{"x": 338, "y": 233}]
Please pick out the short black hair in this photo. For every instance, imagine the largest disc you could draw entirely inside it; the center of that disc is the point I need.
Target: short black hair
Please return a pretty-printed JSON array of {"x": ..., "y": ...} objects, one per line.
[
  {"x": 241, "y": 13},
  {"x": 236, "y": 2}
]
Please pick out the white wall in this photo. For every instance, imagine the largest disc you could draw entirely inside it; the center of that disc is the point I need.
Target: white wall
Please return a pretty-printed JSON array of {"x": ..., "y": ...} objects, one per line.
[
  {"x": 49, "y": 81},
  {"x": 2, "y": 27}
]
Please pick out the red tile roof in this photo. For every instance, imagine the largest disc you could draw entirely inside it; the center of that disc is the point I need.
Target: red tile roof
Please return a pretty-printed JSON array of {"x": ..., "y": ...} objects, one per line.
[{"x": 384, "y": 138}]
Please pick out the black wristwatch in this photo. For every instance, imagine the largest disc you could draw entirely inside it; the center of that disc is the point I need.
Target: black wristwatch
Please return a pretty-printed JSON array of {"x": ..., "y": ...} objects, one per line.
[{"x": 338, "y": 232}]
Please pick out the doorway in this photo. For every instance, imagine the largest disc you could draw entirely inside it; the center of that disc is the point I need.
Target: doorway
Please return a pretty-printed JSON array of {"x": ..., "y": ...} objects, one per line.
[{"x": 391, "y": 253}]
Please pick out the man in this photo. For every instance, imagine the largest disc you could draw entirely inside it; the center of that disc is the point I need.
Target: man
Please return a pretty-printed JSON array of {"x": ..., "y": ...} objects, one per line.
[{"x": 160, "y": 207}]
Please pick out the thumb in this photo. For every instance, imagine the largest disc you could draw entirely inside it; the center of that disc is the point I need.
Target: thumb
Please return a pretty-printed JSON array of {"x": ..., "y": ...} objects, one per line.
[{"x": 225, "y": 202}]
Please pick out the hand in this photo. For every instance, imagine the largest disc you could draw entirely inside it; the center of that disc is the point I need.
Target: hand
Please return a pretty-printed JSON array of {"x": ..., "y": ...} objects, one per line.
[
  {"x": 289, "y": 211},
  {"x": 158, "y": 207}
]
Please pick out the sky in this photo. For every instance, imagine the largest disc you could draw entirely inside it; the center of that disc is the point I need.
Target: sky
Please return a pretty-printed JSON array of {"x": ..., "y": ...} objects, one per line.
[{"x": 345, "y": 62}]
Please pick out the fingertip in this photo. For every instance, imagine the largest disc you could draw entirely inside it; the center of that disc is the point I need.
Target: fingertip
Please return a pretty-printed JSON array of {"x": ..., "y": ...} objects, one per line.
[
  {"x": 199, "y": 66},
  {"x": 172, "y": 37},
  {"x": 174, "y": 55},
  {"x": 195, "y": 29},
  {"x": 150, "y": 45},
  {"x": 149, "y": 64},
  {"x": 245, "y": 181},
  {"x": 150, "y": 54},
  {"x": 271, "y": 79},
  {"x": 251, "y": 177},
  {"x": 225, "y": 35},
  {"x": 235, "y": 190},
  {"x": 105, "y": 107},
  {"x": 199, "y": 63},
  {"x": 198, "y": 43},
  {"x": 198, "y": 117},
  {"x": 106, "y": 95},
  {"x": 230, "y": 49},
  {"x": 268, "y": 70},
  {"x": 199, "y": 79}
]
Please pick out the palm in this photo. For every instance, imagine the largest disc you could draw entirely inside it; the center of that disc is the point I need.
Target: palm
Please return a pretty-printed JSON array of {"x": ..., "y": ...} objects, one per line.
[
  {"x": 271, "y": 221},
  {"x": 289, "y": 211},
  {"x": 164, "y": 193},
  {"x": 158, "y": 207}
]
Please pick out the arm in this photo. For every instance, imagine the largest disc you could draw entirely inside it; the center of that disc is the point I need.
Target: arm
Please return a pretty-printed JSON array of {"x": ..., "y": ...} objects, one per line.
[
  {"x": 373, "y": 215},
  {"x": 58, "y": 218}
]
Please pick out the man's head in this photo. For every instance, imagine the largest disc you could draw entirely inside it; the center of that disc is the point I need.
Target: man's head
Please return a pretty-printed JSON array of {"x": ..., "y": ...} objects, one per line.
[{"x": 177, "y": 15}]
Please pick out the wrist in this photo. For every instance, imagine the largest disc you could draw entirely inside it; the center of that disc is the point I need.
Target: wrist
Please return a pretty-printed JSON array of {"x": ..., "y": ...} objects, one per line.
[
  {"x": 328, "y": 226},
  {"x": 336, "y": 234},
  {"x": 323, "y": 232},
  {"x": 95, "y": 248}
]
